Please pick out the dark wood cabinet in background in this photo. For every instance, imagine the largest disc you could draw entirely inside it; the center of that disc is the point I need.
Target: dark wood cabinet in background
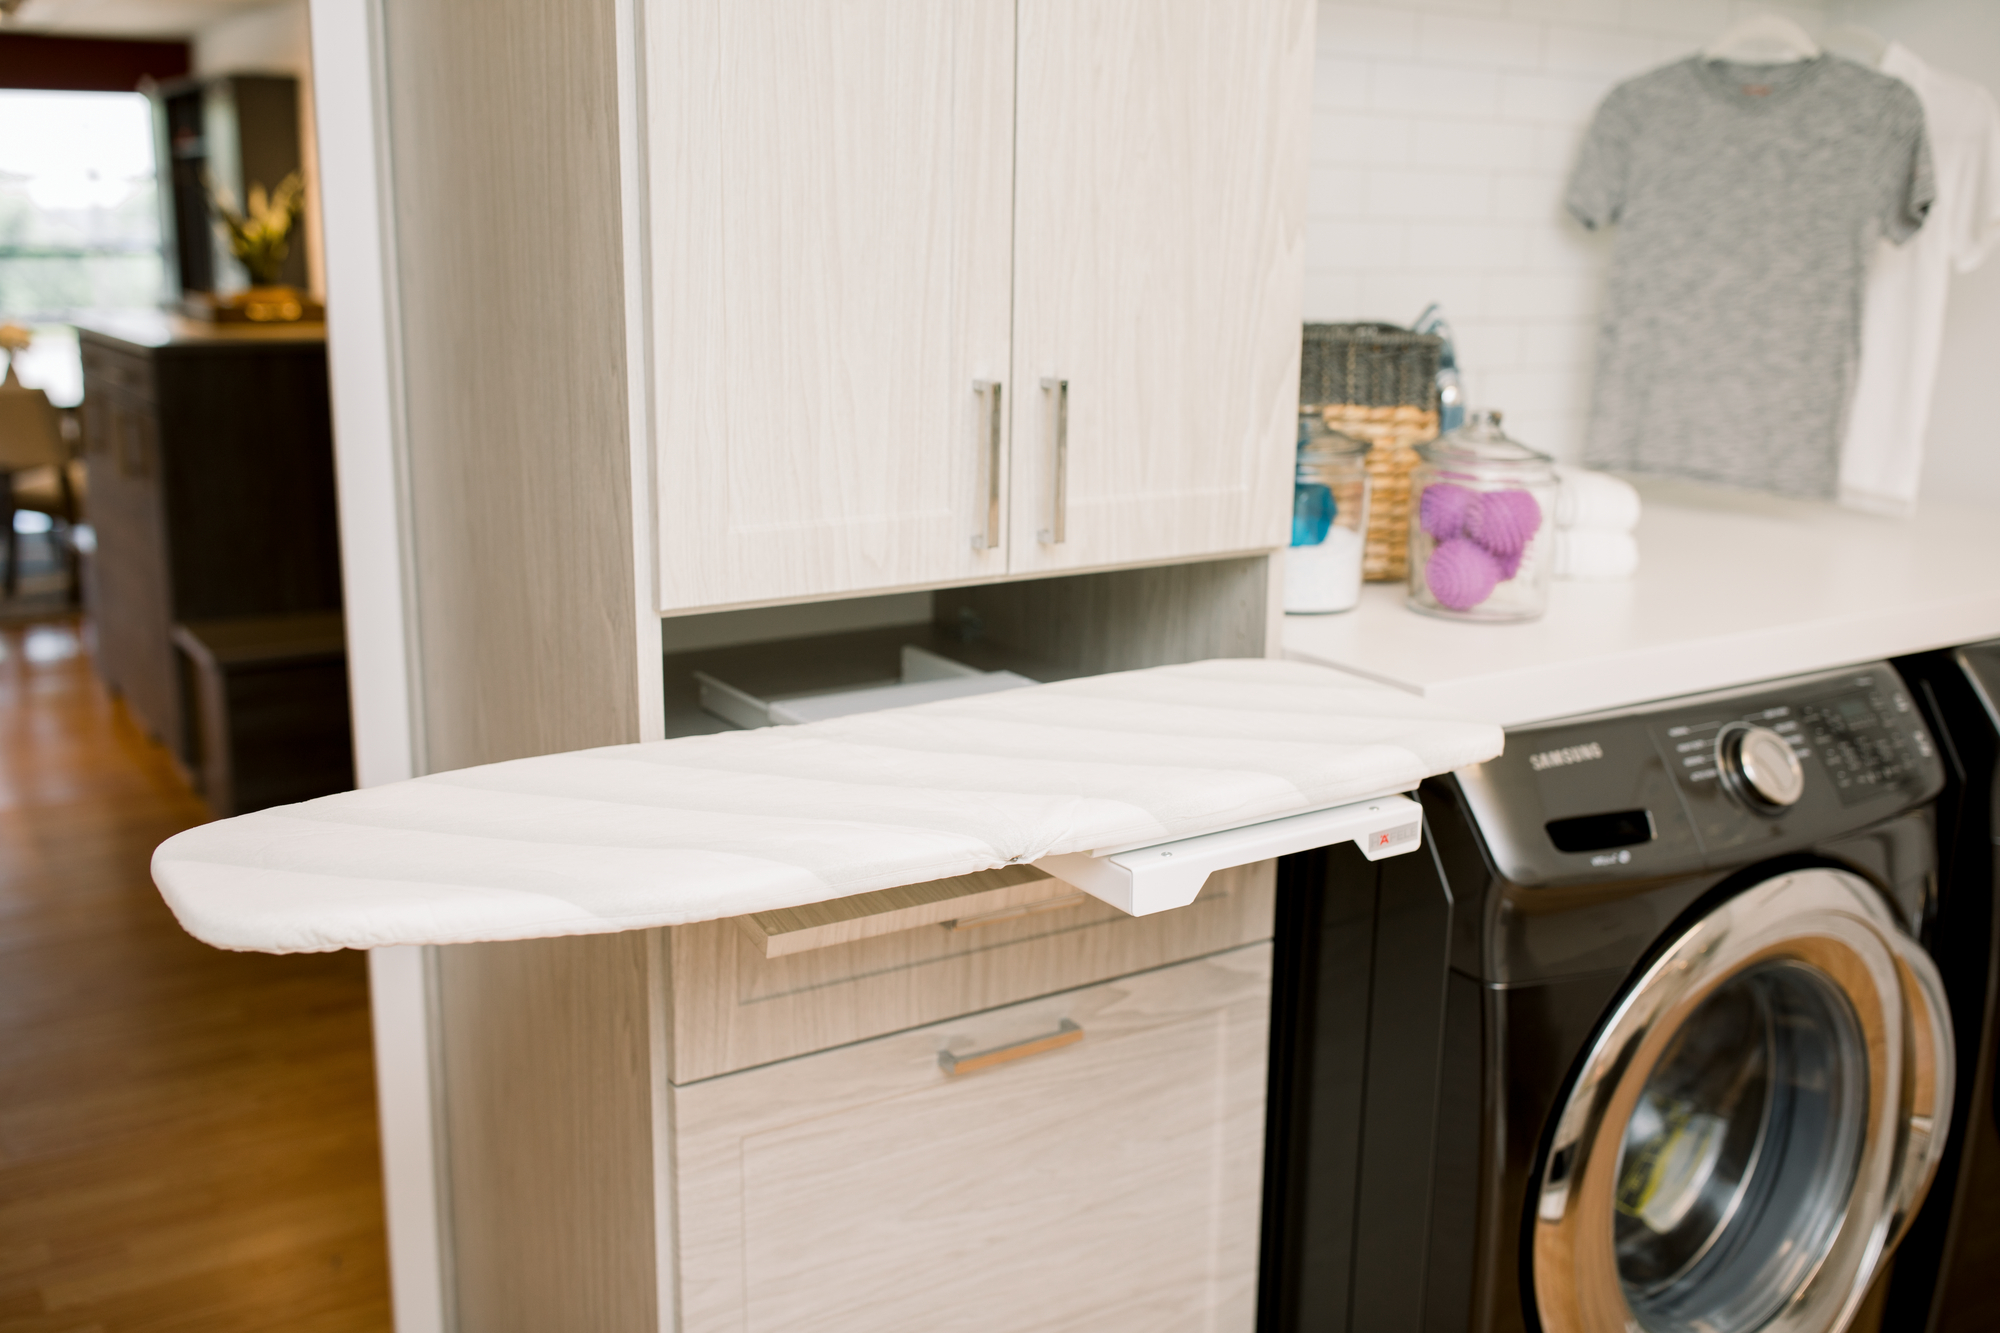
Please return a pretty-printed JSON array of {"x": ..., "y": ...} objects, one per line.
[
  {"x": 266, "y": 701},
  {"x": 210, "y": 453}
]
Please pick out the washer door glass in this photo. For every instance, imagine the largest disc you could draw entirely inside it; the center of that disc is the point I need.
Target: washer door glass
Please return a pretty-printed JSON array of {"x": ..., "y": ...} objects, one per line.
[{"x": 1737, "y": 1163}]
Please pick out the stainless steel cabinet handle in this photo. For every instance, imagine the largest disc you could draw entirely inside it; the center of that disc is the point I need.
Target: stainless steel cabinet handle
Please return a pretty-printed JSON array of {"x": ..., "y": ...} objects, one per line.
[
  {"x": 989, "y": 538},
  {"x": 1056, "y": 431},
  {"x": 1068, "y": 1034}
]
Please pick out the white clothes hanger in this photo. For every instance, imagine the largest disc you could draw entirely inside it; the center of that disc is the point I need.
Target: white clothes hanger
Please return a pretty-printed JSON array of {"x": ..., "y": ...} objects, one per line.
[
  {"x": 1864, "y": 46},
  {"x": 1763, "y": 39}
]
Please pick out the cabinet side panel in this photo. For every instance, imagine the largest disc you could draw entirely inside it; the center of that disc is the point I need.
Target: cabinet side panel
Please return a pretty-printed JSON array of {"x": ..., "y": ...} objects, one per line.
[
  {"x": 548, "y": 1108},
  {"x": 129, "y": 595},
  {"x": 503, "y": 132}
]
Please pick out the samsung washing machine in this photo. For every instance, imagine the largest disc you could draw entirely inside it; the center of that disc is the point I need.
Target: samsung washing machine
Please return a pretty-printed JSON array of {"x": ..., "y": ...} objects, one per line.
[{"x": 1643, "y": 1039}]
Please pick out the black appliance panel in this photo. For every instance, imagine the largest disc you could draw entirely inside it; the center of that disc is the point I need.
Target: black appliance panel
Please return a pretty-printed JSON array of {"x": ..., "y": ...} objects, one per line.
[
  {"x": 1354, "y": 1090},
  {"x": 1980, "y": 665},
  {"x": 1865, "y": 752},
  {"x": 1943, "y": 1274},
  {"x": 1857, "y": 735}
]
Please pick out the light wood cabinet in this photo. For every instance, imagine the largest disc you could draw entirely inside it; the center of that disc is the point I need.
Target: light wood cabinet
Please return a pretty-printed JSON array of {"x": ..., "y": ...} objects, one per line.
[
  {"x": 935, "y": 300},
  {"x": 830, "y": 277},
  {"x": 1158, "y": 257},
  {"x": 678, "y": 1130},
  {"x": 713, "y": 343},
  {"x": 1109, "y": 1184}
]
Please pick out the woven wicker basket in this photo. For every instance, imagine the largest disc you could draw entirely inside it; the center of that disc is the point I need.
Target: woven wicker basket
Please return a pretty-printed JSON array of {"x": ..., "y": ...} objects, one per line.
[
  {"x": 1392, "y": 434},
  {"x": 1377, "y": 383}
]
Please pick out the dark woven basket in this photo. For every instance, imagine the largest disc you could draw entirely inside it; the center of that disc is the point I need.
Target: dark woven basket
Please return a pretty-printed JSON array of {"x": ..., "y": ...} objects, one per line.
[{"x": 1374, "y": 365}]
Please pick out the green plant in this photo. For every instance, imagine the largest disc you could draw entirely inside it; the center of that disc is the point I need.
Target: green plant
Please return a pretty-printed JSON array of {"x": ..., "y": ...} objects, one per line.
[{"x": 261, "y": 238}]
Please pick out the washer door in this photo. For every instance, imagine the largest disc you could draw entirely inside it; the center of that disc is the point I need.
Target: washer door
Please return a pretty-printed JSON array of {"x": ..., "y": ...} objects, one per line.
[{"x": 1753, "y": 1128}]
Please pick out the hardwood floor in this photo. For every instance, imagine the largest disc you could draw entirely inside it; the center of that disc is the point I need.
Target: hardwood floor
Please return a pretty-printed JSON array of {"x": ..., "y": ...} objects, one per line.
[{"x": 187, "y": 1136}]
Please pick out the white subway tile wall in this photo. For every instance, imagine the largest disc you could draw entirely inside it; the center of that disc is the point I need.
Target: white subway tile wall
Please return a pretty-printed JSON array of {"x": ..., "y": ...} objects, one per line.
[{"x": 1444, "y": 131}]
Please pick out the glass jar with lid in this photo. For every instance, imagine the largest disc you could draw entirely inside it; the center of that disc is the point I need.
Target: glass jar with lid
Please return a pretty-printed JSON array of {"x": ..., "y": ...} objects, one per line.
[
  {"x": 1482, "y": 514},
  {"x": 1329, "y": 520}
]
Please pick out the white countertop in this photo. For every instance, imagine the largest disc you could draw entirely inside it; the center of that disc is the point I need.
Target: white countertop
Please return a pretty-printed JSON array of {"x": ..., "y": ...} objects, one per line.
[
  {"x": 1732, "y": 588},
  {"x": 676, "y": 831}
]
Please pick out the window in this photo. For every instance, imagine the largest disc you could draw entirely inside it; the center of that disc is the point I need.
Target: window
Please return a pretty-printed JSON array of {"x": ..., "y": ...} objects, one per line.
[{"x": 79, "y": 211}]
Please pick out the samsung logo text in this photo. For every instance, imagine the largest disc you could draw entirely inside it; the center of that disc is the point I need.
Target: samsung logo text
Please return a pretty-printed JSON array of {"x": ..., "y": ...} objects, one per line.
[{"x": 1569, "y": 754}]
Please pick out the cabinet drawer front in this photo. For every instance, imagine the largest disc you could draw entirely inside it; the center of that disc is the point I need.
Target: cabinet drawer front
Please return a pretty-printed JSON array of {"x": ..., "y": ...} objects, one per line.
[
  {"x": 1108, "y": 1184},
  {"x": 734, "y": 1008}
]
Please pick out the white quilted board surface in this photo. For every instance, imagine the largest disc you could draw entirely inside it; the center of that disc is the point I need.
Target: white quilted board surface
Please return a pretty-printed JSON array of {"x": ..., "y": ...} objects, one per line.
[{"x": 669, "y": 832}]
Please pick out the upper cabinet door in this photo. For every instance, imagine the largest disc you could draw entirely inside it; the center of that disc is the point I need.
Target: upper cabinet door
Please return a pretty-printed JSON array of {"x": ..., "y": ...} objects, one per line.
[
  {"x": 1160, "y": 172},
  {"x": 829, "y": 234}
]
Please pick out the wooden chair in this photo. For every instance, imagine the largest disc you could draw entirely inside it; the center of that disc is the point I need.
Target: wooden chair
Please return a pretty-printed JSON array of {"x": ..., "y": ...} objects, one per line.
[{"x": 34, "y": 475}]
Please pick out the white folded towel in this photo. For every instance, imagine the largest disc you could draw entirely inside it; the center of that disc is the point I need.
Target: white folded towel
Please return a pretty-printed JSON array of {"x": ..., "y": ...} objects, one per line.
[
  {"x": 1595, "y": 500},
  {"x": 1594, "y": 520},
  {"x": 1588, "y": 553}
]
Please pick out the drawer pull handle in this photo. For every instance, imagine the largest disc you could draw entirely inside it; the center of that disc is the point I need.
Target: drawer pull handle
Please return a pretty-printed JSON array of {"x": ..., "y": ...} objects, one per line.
[
  {"x": 989, "y": 536},
  {"x": 1069, "y": 1034}
]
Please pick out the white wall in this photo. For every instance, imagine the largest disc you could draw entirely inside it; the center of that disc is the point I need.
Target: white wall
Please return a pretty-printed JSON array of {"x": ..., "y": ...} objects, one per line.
[
  {"x": 275, "y": 39},
  {"x": 1444, "y": 131}
]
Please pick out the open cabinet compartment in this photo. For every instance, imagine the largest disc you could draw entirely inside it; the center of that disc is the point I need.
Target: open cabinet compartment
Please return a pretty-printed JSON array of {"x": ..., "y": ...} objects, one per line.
[{"x": 1040, "y": 629}]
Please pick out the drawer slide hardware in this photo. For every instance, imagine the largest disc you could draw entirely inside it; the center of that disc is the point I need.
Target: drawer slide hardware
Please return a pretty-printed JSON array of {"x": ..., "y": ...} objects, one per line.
[{"x": 1143, "y": 880}]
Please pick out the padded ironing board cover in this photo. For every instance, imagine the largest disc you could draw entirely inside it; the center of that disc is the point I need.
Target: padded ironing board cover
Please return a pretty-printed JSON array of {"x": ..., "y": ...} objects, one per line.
[{"x": 670, "y": 832}]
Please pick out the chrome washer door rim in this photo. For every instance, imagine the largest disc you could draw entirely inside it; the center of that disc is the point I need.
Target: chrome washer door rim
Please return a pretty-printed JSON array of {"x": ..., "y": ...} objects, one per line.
[{"x": 1828, "y": 921}]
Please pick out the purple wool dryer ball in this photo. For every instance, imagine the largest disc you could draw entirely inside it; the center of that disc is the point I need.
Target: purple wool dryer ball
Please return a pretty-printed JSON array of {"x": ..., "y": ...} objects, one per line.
[
  {"x": 1461, "y": 574},
  {"x": 1510, "y": 565},
  {"x": 1443, "y": 508},
  {"x": 1504, "y": 521}
]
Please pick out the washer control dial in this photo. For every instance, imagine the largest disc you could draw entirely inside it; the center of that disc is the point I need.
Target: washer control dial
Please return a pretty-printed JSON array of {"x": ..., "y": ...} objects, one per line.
[{"x": 1760, "y": 767}]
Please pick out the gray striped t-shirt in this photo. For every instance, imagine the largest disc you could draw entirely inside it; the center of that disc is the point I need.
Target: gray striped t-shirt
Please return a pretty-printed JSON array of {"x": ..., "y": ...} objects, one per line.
[{"x": 1747, "y": 198}]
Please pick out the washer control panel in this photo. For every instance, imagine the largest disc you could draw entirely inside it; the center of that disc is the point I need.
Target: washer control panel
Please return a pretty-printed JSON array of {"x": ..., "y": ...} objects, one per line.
[
  {"x": 1790, "y": 761},
  {"x": 1705, "y": 780},
  {"x": 1862, "y": 728},
  {"x": 1869, "y": 739},
  {"x": 1701, "y": 747}
]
